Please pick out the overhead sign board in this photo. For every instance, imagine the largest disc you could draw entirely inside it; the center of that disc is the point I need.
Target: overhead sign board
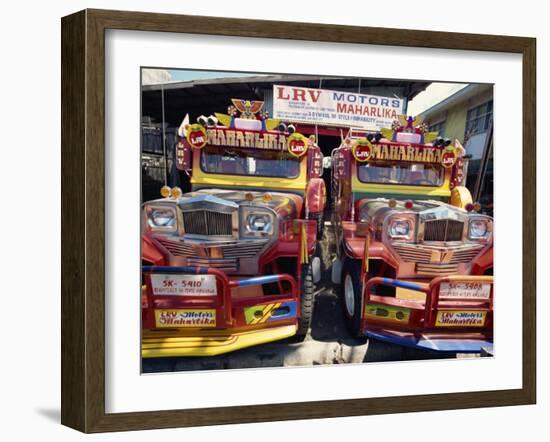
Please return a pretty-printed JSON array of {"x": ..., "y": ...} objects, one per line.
[{"x": 335, "y": 108}]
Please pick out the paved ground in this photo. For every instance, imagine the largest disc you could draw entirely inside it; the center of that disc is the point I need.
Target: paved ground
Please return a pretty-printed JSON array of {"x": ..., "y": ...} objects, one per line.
[{"x": 328, "y": 341}]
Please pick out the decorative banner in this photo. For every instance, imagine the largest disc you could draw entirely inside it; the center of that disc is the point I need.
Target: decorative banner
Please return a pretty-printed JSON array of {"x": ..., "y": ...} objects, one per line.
[
  {"x": 196, "y": 136},
  {"x": 448, "y": 157},
  {"x": 408, "y": 153},
  {"x": 246, "y": 139},
  {"x": 297, "y": 144},
  {"x": 362, "y": 150},
  {"x": 335, "y": 108}
]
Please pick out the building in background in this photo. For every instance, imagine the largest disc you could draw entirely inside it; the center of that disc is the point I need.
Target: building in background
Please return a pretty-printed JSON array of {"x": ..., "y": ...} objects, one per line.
[{"x": 467, "y": 116}]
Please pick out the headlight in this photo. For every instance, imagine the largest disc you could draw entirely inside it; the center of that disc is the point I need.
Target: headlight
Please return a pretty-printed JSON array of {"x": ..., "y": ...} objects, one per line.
[
  {"x": 163, "y": 218},
  {"x": 256, "y": 222},
  {"x": 401, "y": 228},
  {"x": 479, "y": 229},
  {"x": 259, "y": 223}
]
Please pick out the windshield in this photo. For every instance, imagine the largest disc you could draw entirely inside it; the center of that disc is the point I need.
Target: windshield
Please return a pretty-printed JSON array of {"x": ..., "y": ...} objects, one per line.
[
  {"x": 413, "y": 174},
  {"x": 249, "y": 162}
]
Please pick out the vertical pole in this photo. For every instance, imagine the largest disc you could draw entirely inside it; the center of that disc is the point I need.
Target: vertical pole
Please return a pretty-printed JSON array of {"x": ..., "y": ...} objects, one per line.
[{"x": 164, "y": 137}]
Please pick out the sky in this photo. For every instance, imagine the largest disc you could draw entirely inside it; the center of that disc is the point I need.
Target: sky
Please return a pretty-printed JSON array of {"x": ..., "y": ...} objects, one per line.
[{"x": 433, "y": 94}]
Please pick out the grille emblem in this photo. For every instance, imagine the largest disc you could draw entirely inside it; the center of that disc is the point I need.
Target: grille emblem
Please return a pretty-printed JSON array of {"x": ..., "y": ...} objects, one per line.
[{"x": 443, "y": 257}]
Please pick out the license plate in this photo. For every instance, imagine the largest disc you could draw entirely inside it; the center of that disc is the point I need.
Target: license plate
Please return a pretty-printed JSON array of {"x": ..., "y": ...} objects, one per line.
[
  {"x": 462, "y": 318},
  {"x": 185, "y": 318},
  {"x": 465, "y": 290},
  {"x": 183, "y": 285}
]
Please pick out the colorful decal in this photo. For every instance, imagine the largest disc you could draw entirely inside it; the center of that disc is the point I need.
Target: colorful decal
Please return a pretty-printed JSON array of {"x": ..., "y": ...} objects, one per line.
[
  {"x": 183, "y": 285},
  {"x": 247, "y": 110},
  {"x": 406, "y": 152},
  {"x": 362, "y": 150},
  {"x": 275, "y": 311},
  {"x": 303, "y": 244},
  {"x": 181, "y": 160},
  {"x": 202, "y": 318},
  {"x": 464, "y": 318},
  {"x": 245, "y": 139},
  {"x": 409, "y": 130},
  {"x": 387, "y": 313},
  {"x": 366, "y": 257},
  {"x": 297, "y": 144},
  {"x": 448, "y": 157},
  {"x": 465, "y": 290},
  {"x": 196, "y": 135}
]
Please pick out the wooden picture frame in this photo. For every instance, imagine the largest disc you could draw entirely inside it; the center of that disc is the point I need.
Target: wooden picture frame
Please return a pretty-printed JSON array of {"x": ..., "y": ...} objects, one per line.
[{"x": 83, "y": 215}]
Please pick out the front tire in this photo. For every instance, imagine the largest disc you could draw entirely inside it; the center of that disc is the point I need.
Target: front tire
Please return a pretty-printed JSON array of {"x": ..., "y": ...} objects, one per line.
[
  {"x": 307, "y": 294},
  {"x": 351, "y": 289}
]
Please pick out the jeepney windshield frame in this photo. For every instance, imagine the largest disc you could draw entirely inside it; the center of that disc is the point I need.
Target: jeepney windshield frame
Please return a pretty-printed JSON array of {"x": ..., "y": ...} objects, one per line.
[
  {"x": 401, "y": 168},
  {"x": 223, "y": 151}
]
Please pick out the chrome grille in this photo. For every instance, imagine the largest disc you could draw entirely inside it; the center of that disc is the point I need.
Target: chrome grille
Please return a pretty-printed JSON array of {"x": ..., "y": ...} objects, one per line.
[
  {"x": 227, "y": 265},
  {"x": 229, "y": 249},
  {"x": 177, "y": 248},
  {"x": 229, "y": 256},
  {"x": 206, "y": 222},
  {"x": 443, "y": 230},
  {"x": 436, "y": 269},
  {"x": 421, "y": 254}
]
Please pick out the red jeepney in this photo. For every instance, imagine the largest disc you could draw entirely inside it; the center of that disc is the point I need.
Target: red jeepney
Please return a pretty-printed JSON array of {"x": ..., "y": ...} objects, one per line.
[
  {"x": 415, "y": 259},
  {"x": 230, "y": 264}
]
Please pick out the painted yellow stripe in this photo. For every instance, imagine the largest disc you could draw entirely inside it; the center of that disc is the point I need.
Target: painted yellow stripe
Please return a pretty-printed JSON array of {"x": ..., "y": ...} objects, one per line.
[
  {"x": 183, "y": 345},
  {"x": 256, "y": 320},
  {"x": 268, "y": 314},
  {"x": 265, "y": 314}
]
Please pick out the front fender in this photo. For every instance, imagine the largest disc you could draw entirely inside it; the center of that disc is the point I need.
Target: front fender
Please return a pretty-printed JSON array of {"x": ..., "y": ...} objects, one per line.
[{"x": 150, "y": 253}]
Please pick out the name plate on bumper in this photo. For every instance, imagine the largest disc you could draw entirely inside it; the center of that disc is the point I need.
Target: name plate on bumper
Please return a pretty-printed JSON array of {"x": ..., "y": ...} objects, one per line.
[
  {"x": 462, "y": 318},
  {"x": 183, "y": 285},
  {"x": 185, "y": 318}
]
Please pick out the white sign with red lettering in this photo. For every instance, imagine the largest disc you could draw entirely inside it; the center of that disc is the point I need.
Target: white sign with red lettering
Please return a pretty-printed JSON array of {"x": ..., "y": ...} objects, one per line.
[
  {"x": 465, "y": 290},
  {"x": 335, "y": 108},
  {"x": 183, "y": 285}
]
